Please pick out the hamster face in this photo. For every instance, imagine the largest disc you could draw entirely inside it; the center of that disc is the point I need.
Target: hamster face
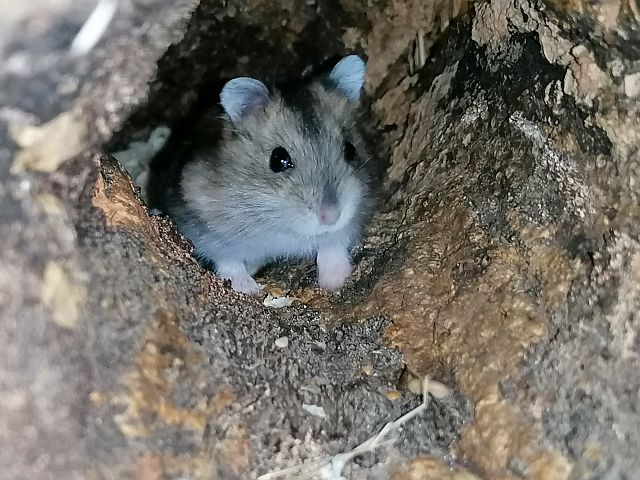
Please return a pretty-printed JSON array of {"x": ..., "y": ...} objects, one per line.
[{"x": 298, "y": 164}]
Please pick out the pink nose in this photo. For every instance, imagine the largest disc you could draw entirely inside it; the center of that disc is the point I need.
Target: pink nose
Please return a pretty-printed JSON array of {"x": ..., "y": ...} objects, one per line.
[{"x": 328, "y": 215}]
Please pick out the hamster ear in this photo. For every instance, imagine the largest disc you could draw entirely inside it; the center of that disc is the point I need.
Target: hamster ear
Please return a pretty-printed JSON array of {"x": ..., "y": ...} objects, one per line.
[
  {"x": 348, "y": 76},
  {"x": 242, "y": 96}
]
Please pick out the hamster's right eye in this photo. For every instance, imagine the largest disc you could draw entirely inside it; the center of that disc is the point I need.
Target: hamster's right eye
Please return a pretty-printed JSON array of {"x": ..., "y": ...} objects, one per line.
[{"x": 280, "y": 160}]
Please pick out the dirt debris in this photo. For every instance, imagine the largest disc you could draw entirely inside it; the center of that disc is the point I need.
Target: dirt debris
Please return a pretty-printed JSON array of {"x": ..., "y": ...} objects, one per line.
[{"x": 502, "y": 264}]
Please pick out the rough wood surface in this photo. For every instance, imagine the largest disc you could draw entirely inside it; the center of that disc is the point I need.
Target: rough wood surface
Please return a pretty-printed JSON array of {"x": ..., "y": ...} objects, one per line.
[{"x": 505, "y": 262}]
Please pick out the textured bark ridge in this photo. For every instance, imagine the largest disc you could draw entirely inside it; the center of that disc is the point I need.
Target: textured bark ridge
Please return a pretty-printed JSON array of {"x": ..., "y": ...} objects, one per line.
[{"x": 504, "y": 261}]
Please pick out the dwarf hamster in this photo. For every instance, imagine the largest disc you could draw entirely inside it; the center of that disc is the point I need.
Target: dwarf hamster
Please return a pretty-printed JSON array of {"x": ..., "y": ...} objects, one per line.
[{"x": 287, "y": 179}]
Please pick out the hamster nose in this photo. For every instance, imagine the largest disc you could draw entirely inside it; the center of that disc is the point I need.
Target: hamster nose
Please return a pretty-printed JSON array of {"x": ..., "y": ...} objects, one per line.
[
  {"x": 328, "y": 215},
  {"x": 329, "y": 211}
]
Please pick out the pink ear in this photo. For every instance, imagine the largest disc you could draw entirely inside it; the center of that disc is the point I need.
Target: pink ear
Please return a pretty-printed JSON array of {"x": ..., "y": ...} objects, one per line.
[{"x": 242, "y": 96}]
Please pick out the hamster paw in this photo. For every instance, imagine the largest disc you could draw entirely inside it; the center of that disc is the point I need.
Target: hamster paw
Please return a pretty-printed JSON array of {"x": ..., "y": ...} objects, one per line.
[
  {"x": 246, "y": 284},
  {"x": 241, "y": 281},
  {"x": 334, "y": 267}
]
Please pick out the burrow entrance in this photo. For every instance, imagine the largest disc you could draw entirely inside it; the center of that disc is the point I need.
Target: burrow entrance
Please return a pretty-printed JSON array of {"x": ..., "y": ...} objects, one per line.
[
  {"x": 338, "y": 362},
  {"x": 501, "y": 263}
]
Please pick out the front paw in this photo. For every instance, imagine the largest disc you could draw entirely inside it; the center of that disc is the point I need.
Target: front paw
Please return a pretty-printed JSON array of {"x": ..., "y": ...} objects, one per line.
[
  {"x": 245, "y": 284},
  {"x": 240, "y": 279},
  {"x": 334, "y": 267}
]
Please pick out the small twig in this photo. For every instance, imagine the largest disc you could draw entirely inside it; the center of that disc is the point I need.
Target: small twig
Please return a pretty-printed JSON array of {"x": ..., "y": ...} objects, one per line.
[
  {"x": 339, "y": 461},
  {"x": 331, "y": 468},
  {"x": 93, "y": 29},
  {"x": 422, "y": 49}
]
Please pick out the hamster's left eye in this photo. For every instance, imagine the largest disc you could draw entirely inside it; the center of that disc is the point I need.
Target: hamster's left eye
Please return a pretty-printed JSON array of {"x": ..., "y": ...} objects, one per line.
[
  {"x": 349, "y": 152},
  {"x": 280, "y": 160}
]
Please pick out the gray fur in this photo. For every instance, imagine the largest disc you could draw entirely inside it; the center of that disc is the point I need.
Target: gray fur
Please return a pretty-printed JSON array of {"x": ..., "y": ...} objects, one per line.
[{"x": 236, "y": 210}]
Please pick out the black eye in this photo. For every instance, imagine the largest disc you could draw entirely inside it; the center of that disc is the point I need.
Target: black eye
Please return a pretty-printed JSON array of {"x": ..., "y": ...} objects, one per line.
[
  {"x": 280, "y": 160},
  {"x": 349, "y": 152}
]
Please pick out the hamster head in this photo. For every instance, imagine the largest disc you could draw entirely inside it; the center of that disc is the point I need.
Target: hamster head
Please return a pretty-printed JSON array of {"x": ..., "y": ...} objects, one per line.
[{"x": 293, "y": 159}]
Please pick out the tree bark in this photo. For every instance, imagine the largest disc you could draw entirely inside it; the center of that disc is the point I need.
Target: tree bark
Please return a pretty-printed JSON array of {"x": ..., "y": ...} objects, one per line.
[{"x": 503, "y": 261}]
